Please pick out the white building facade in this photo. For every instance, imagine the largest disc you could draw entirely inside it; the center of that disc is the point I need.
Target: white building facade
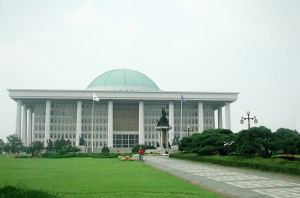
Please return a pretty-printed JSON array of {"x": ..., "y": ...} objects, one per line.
[{"x": 127, "y": 113}]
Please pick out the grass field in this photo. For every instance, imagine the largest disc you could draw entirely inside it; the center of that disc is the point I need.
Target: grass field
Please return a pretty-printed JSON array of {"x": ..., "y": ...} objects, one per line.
[{"x": 90, "y": 177}]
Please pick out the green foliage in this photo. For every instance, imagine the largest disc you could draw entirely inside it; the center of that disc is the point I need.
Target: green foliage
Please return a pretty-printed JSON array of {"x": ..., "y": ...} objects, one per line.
[
  {"x": 62, "y": 146},
  {"x": 287, "y": 141},
  {"x": 256, "y": 141},
  {"x": 9, "y": 191},
  {"x": 135, "y": 148},
  {"x": 105, "y": 155},
  {"x": 2, "y": 144},
  {"x": 105, "y": 150},
  {"x": 64, "y": 155},
  {"x": 13, "y": 145},
  {"x": 50, "y": 145},
  {"x": 35, "y": 148},
  {"x": 21, "y": 156},
  {"x": 269, "y": 164},
  {"x": 212, "y": 141},
  {"x": 185, "y": 144}
]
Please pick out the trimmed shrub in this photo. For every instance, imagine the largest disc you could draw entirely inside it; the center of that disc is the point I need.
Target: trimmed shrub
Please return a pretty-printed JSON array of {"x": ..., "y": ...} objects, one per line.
[
  {"x": 275, "y": 165},
  {"x": 105, "y": 155},
  {"x": 21, "y": 156},
  {"x": 105, "y": 149},
  {"x": 62, "y": 155}
]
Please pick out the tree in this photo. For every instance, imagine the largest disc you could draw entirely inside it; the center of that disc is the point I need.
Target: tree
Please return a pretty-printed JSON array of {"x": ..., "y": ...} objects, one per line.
[
  {"x": 2, "y": 144},
  {"x": 286, "y": 141},
  {"x": 62, "y": 146},
  {"x": 186, "y": 144},
  {"x": 50, "y": 145},
  {"x": 36, "y": 147},
  {"x": 212, "y": 141},
  {"x": 14, "y": 144},
  {"x": 59, "y": 144},
  {"x": 256, "y": 140}
]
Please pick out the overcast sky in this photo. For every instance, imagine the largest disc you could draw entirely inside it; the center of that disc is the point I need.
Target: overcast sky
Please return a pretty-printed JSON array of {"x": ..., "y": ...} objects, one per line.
[{"x": 251, "y": 47}]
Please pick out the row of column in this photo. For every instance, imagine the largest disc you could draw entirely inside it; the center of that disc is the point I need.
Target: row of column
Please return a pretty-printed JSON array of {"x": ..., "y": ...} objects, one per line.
[
  {"x": 24, "y": 123},
  {"x": 27, "y": 123}
]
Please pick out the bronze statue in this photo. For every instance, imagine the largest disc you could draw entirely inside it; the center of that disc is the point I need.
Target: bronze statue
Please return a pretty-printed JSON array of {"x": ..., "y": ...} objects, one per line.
[
  {"x": 163, "y": 121},
  {"x": 81, "y": 140}
]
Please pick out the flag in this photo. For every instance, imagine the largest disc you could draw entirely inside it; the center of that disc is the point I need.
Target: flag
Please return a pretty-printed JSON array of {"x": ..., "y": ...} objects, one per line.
[
  {"x": 95, "y": 97},
  {"x": 184, "y": 101}
]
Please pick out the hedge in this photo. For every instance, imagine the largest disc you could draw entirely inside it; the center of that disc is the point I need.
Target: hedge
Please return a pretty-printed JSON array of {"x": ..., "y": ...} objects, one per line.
[
  {"x": 273, "y": 165},
  {"x": 66, "y": 155}
]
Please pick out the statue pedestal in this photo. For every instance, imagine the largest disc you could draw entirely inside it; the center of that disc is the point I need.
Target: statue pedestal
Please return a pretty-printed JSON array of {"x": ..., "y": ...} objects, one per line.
[
  {"x": 164, "y": 136},
  {"x": 83, "y": 149}
]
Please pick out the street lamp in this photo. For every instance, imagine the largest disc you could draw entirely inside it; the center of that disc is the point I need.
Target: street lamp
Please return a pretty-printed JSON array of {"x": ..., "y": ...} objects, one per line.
[
  {"x": 249, "y": 118},
  {"x": 188, "y": 131}
]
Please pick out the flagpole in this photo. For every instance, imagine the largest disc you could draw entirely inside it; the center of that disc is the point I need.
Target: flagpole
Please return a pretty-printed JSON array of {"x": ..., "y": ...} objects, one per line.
[{"x": 93, "y": 127}]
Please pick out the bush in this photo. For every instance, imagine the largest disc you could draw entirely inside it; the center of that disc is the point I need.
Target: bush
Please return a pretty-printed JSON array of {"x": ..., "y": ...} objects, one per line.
[
  {"x": 269, "y": 164},
  {"x": 9, "y": 191},
  {"x": 105, "y": 155},
  {"x": 64, "y": 155},
  {"x": 105, "y": 149},
  {"x": 21, "y": 156},
  {"x": 209, "y": 142}
]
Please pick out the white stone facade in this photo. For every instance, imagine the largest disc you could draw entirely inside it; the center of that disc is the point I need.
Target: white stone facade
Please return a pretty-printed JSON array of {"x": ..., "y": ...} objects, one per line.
[{"x": 121, "y": 118}]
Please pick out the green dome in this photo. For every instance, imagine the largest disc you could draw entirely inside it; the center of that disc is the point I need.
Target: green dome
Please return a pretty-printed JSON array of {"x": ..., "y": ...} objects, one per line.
[{"x": 123, "y": 80}]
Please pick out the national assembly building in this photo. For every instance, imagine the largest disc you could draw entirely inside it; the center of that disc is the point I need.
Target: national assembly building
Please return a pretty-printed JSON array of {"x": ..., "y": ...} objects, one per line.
[{"x": 119, "y": 109}]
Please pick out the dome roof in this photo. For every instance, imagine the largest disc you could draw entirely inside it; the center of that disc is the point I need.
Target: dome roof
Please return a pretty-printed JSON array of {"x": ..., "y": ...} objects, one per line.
[{"x": 123, "y": 80}]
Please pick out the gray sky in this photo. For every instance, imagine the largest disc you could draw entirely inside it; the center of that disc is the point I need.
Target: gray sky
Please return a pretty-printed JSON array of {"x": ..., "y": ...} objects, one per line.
[{"x": 251, "y": 47}]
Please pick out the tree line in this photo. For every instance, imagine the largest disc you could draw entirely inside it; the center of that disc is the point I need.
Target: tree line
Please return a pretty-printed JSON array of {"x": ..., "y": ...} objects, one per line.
[
  {"x": 256, "y": 141},
  {"x": 14, "y": 145}
]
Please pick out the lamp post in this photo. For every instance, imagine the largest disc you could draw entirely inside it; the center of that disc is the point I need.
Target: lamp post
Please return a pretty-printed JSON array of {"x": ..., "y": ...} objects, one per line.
[
  {"x": 188, "y": 131},
  {"x": 249, "y": 118}
]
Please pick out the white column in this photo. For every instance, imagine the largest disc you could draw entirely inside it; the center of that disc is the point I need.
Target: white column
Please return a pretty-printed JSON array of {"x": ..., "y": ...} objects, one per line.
[
  {"x": 171, "y": 121},
  {"x": 141, "y": 123},
  {"x": 110, "y": 124},
  {"x": 200, "y": 117},
  {"x": 24, "y": 125},
  {"x": 18, "y": 119},
  {"x": 78, "y": 121},
  {"x": 32, "y": 129},
  {"x": 29, "y": 126},
  {"x": 47, "y": 121},
  {"x": 227, "y": 116},
  {"x": 220, "y": 119}
]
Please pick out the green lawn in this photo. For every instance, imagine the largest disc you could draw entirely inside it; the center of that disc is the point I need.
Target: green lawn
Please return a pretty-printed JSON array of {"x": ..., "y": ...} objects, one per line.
[{"x": 93, "y": 177}]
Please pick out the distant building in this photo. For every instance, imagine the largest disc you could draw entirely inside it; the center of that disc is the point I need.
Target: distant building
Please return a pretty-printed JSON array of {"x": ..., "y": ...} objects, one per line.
[{"x": 130, "y": 104}]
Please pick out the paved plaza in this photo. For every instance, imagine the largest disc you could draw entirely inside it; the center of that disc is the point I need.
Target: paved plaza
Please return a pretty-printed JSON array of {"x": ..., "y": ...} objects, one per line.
[{"x": 231, "y": 182}]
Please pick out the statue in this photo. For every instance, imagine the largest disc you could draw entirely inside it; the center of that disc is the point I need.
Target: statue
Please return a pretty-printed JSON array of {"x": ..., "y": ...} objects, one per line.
[
  {"x": 163, "y": 121},
  {"x": 81, "y": 140}
]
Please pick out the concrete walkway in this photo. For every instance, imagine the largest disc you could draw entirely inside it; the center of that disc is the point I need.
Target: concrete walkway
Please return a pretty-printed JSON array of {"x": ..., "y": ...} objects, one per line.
[{"x": 231, "y": 182}]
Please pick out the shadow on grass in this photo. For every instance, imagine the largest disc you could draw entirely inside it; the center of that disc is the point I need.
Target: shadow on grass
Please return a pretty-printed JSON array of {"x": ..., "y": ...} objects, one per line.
[{"x": 9, "y": 191}]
